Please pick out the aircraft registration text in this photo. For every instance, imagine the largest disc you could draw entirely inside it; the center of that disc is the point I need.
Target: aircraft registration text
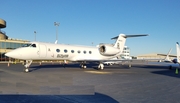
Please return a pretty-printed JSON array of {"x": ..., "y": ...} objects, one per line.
[{"x": 62, "y": 56}]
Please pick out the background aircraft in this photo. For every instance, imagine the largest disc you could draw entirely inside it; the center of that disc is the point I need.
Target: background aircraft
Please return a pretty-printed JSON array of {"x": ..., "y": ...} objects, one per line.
[
  {"x": 177, "y": 60},
  {"x": 174, "y": 62},
  {"x": 167, "y": 59},
  {"x": 83, "y": 54}
]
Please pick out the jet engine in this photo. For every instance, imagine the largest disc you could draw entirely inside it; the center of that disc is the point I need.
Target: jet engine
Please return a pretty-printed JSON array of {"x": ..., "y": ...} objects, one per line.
[{"x": 108, "y": 50}]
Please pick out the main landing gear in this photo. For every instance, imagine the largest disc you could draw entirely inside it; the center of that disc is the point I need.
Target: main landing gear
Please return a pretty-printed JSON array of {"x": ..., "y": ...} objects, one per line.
[
  {"x": 101, "y": 66},
  {"x": 27, "y": 64},
  {"x": 83, "y": 65}
]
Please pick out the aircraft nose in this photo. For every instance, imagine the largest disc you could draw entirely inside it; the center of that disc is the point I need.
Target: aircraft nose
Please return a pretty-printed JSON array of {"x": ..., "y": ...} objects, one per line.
[
  {"x": 11, "y": 54},
  {"x": 7, "y": 54}
]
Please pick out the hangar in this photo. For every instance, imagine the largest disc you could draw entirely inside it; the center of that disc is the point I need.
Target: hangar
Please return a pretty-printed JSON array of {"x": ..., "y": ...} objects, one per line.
[{"x": 155, "y": 56}]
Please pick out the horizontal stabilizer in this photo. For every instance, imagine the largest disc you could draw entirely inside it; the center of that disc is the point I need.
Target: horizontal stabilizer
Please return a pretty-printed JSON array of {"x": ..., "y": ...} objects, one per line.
[{"x": 128, "y": 36}]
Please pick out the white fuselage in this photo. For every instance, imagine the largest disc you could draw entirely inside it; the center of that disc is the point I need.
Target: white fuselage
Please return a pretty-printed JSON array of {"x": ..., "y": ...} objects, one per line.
[{"x": 49, "y": 51}]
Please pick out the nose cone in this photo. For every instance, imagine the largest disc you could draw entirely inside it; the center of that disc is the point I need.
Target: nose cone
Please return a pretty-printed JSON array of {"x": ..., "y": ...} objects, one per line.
[
  {"x": 8, "y": 54},
  {"x": 12, "y": 55}
]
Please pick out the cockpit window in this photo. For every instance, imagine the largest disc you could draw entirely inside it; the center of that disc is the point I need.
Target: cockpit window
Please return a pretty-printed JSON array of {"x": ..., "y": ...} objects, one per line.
[
  {"x": 26, "y": 45},
  {"x": 29, "y": 45},
  {"x": 33, "y": 45}
]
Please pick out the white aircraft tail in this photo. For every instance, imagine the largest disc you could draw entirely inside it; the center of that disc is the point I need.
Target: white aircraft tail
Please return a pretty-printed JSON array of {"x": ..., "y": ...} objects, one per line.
[
  {"x": 121, "y": 39},
  {"x": 178, "y": 52},
  {"x": 167, "y": 56}
]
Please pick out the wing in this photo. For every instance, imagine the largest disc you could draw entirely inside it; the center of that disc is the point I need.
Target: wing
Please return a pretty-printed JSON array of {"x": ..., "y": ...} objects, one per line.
[{"x": 110, "y": 60}]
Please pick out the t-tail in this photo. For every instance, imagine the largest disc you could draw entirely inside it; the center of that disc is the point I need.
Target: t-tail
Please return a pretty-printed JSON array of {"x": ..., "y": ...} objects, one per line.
[
  {"x": 121, "y": 39},
  {"x": 178, "y": 52}
]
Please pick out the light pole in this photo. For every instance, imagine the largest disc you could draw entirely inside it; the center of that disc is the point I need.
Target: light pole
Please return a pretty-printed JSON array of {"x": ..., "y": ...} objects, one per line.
[
  {"x": 56, "y": 24},
  {"x": 35, "y": 35}
]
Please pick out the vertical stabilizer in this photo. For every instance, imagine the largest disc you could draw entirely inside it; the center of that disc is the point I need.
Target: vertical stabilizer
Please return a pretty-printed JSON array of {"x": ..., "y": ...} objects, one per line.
[
  {"x": 121, "y": 39},
  {"x": 178, "y": 52}
]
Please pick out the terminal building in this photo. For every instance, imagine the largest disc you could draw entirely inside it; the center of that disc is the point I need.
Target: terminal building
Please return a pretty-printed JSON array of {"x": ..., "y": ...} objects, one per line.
[
  {"x": 126, "y": 53},
  {"x": 6, "y": 43}
]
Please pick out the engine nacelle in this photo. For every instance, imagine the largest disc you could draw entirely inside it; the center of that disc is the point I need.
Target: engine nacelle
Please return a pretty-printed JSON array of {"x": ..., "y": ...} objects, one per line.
[{"x": 108, "y": 50}]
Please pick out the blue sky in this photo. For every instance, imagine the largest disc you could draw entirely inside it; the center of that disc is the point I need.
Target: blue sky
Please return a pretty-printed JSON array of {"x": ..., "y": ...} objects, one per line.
[{"x": 85, "y": 21}]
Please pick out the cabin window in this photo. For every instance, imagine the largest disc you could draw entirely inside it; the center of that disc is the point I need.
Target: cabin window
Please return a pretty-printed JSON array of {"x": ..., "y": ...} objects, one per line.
[
  {"x": 72, "y": 51},
  {"x": 79, "y": 51},
  {"x": 57, "y": 50},
  {"x": 84, "y": 52},
  {"x": 65, "y": 50},
  {"x": 90, "y": 52}
]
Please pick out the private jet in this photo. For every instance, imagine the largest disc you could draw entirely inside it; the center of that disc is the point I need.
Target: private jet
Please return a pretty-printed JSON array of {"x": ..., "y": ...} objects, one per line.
[
  {"x": 174, "y": 62},
  {"x": 167, "y": 59},
  {"x": 83, "y": 54}
]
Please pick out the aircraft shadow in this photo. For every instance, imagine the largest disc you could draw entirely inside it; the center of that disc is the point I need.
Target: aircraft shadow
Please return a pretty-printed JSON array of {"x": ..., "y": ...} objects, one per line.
[
  {"x": 151, "y": 66},
  {"x": 170, "y": 73},
  {"x": 96, "y": 98},
  {"x": 60, "y": 66},
  {"x": 164, "y": 70}
]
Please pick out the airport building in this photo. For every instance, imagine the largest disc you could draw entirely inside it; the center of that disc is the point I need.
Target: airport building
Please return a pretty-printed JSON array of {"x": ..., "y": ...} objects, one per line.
[
  {"x": 7, "y": 44},
  {"x": 155, "y": 56},
  {"x": 126, "y": 53}
]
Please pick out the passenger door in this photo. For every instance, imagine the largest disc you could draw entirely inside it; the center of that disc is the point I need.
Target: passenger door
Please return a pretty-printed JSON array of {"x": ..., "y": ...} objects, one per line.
[{"x": 42, "y": 50}]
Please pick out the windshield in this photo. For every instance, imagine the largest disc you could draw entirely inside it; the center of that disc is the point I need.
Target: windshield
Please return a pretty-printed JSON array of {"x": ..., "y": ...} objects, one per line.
[
  {"x": 26, "y": 45},
  {"x": 33, "y": 45}
]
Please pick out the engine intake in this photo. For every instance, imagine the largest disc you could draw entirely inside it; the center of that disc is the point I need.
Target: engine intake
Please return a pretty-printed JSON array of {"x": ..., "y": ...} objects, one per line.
[{"x": 108, "y": 50}]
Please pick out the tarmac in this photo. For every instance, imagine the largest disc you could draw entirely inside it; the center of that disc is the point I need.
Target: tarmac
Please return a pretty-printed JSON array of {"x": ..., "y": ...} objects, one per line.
[{"x": 55, "y": 83}]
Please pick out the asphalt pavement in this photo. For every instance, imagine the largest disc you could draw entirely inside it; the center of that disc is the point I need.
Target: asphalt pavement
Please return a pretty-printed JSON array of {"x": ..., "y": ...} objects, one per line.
[{"x": 55, "y": 83}]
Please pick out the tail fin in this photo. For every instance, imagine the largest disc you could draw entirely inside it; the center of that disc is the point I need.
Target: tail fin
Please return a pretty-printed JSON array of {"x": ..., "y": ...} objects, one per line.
[
  {"x": 121, "y": 39},
  {"x": 178, "y": 52},
  {"x": 167, "y": 56}
]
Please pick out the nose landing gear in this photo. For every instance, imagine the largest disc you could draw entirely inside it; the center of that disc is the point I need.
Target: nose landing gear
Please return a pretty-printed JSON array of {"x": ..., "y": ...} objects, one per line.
[{"x": 27, "y": 65}]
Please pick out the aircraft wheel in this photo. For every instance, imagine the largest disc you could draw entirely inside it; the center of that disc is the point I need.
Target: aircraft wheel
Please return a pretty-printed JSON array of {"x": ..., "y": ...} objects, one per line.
[
  {"x": 101, "y": 67},
  {"x": 26, "y": 70},
  {"x": 84, "y": 67}
]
